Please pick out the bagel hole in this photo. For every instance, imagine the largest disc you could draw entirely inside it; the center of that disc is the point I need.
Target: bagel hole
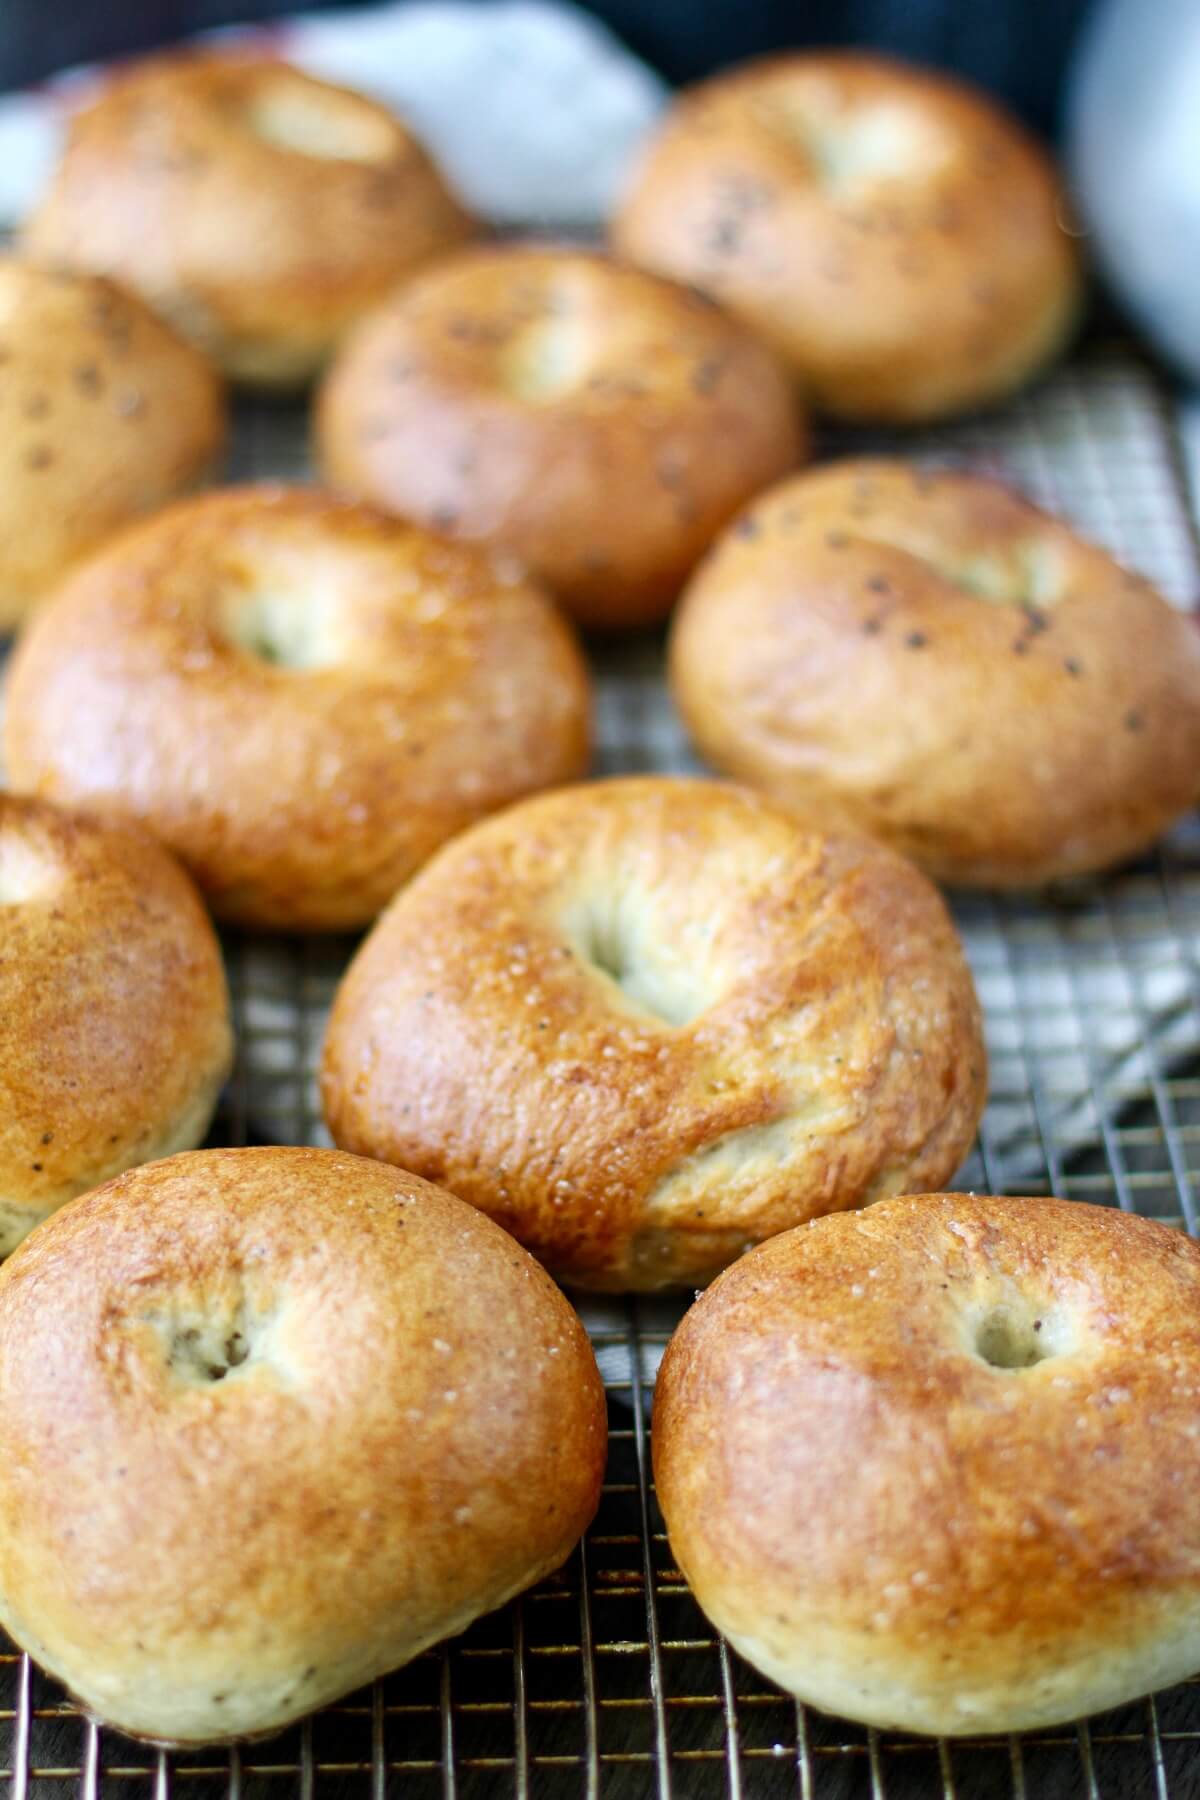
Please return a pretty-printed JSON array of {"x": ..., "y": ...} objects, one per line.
[
  {"x": 1013, "y": 1336},
  {"x": 610, "y": 936},
  {"x": 203, "y": 1348},
  {"x": 199, "y": 1356},
  {"x": 323, "y": 126},
  {"x": 288, "y": 630}
]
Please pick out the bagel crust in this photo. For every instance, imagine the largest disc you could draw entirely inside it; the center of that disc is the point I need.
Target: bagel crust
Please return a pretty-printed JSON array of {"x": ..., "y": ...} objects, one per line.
[
  {"x": 105, "y": 415},
  {"x": 114, "y": 1020},
  {"x": 259, "y": 209},
  {"x": 271, "y": 1423},
  {"x": 936, "y": 1466},
  {"x": 646, "y": 1023},
  {"x": 927, "y": 657},
  {"x": 302, "y": 698},
  {"x": 897, "y": 237},
  {"x": 597, "y": 422}
]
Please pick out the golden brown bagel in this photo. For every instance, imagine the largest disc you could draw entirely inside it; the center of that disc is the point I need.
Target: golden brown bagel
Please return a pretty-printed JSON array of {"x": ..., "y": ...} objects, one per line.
[
  {"x": 257, "y": 208},
  {"x": 104, "y": 414},
  {"x": 897, "y": 237},
  {"x": 272, "y": 1422},
  {"x": 929, "y": 658},
  {"x": 114, "y": 1022},
  {"x": 936, "y": 1466},
  {"x": 645, "y": 1023},
  {"x": 601, "y": 424},
  {"x": 303, "y": 698}
]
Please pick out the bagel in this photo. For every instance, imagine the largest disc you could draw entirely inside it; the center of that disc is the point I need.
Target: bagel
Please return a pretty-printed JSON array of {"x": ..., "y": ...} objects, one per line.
[
  {"x": 936, "y": 1467},
  {"x": 106, "y": 414},
  {"x": 302, "y": 698},
  {"x": 600, "y": 424},
  {"x": 894, "y": 234},
  {"x": 929, "y": 658},
  {"x": 271, "y": 1423},
  {"x": 646, "y": 1023},
  {"x": 114, "y": 1021},
  {"x": 258, "y": 209}
]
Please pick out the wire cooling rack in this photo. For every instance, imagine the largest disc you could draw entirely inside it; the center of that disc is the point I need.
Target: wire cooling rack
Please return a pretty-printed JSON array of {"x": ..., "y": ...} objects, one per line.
[{"x": 606, "y": 1680}]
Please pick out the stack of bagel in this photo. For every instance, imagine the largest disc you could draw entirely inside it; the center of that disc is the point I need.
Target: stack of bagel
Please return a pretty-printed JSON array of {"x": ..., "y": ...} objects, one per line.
[{"x": 628, "y": 1035}]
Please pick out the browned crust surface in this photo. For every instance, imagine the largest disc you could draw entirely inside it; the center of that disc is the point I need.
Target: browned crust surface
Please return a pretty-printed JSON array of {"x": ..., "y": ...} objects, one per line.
[
  {"x": 104, "y": 415},
  {"x": 902, "y": 1531},
  {"x": 648, "y": 1022},
  {"x": 893, "y": 233},
  {"x": 114, "y": 1027},
  {"x": 930, "y": 658},
  {"x": 259, "y": 208},
  {"x": 415, "y": 687},
  {"x": 408, "y": 1429},
  {"x": 600, "y": 423}
]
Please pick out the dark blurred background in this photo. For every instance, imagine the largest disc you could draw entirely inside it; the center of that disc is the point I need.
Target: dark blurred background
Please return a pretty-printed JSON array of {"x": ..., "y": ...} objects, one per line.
[{"x": 1017, "y": 48}]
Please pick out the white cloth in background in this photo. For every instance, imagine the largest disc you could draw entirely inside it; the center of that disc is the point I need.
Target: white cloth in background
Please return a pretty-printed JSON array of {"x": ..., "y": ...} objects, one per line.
[
  {"x": 1133, "y": 149},
  {"x": 534, "y": 109}
]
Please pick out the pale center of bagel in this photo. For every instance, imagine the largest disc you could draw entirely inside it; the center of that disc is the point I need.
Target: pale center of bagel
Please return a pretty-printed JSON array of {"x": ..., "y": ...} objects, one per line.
[
  {"x": 614, "y": 936},
  {"x": 853, "y": 148},
  {"x": 1029, "y": 572},
  {"x": 288, "y": 627},
  {"x": 26, "y": 872},
  {"x": 1016, "y": 1333},
  {"x": 550, "y": 357},
  {"x": 321, "y": 125}
]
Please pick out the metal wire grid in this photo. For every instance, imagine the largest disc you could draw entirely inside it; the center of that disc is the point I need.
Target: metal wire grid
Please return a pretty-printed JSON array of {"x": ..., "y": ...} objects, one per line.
[{"x": 606, "y": 1680}]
